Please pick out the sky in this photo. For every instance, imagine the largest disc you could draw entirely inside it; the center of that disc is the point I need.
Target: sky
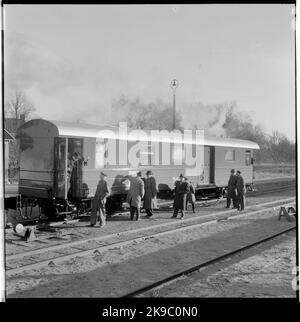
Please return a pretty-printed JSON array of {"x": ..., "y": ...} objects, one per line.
[{"x": 73, "y": 61}]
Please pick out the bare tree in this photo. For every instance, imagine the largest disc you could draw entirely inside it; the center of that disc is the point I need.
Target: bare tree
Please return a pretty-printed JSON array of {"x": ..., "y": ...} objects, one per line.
[
  {"x": 147, "y": 116},
  {"x": 19, "y": 106},
  {"x": 275, "y": 148},
  {"x": 16, "y": 108}
]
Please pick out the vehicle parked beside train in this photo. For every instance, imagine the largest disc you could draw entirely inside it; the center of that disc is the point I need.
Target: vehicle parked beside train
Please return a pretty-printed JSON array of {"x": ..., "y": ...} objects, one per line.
[{"x": 60, "y": 164}]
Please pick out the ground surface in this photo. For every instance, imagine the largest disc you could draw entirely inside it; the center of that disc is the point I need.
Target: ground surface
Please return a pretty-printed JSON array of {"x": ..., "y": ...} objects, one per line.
[
  {"x": 268, "y": 273},
  {"x": 121, "y": 222},
  {"x": 119, "y": 270},
  {"x": 122, "y": 270}
]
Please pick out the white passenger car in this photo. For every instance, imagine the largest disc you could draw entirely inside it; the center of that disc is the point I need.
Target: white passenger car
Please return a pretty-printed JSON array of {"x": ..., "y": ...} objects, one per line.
[{"x": 60, "y": 161}]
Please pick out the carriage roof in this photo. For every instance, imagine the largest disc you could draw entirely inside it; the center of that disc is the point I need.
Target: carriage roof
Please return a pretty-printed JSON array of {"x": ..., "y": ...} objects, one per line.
[{"x": 69, "y": 129}]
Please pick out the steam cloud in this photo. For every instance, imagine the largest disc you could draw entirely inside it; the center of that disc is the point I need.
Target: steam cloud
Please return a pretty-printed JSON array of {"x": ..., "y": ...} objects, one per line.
[
  {"x": 210, "y": 118},
  {"x": 59, "y": 90}
]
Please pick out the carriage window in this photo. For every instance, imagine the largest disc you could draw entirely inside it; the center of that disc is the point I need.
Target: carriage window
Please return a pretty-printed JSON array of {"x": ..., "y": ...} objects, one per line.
[
  {"x": 248, "y": 157},
  {"x": 146, "y": 153},
  {"x": 229, "y": 155},
  {"x": 100, "y": 153},
  {"x": 177, "y": 154},
  {"x": 75, "y": 146}
]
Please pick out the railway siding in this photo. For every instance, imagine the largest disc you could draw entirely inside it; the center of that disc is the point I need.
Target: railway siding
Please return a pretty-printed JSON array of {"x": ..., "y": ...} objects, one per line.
[
  {"x": 116, "y": 238},
  {"x": 77, "y": 231},
  {"x": 140, "y": 271},
  {"x": 263, "y": 271},
  {"x": 262, "y": 186}
]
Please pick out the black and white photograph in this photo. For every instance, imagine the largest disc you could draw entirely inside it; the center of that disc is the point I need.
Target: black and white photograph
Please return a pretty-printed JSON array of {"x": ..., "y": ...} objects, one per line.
[{"x": 149, "y": 151}]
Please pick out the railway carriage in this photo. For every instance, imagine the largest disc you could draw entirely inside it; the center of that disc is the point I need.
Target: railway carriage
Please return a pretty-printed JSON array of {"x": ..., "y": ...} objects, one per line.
[{"x": 60, "y": 164}]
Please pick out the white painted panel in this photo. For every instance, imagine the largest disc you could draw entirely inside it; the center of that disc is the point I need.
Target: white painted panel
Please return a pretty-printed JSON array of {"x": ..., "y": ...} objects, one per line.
[
  {"x": 222, "y": 171},
  {"x": 206, "y": 166}
]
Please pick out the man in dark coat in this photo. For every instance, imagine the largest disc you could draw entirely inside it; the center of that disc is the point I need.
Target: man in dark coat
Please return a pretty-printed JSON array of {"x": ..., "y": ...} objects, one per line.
[
  {"x": 240, "y": 187},
  {"x": 231, "y": 194},
  {"x": 181, "y": 190},
  {"x": 76, "y": 176},
  {"x": 135, "y": 195},
  {"x": 99, "y": 201},
  {"x": 150, "y": 193},
  {"x": 191, "y": 195}
]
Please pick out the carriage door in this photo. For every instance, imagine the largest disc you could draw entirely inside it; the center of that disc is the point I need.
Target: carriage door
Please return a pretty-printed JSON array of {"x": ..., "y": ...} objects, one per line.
[
  {"x": 248, "y": 160},
  {"x": 60, "y": 168},
  {"x": 212, "y": 161},
  {"x": 75, "y": 163}
]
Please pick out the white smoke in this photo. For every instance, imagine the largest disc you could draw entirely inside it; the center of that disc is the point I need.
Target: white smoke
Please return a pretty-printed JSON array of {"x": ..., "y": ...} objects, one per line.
[
  {"x": 210, "y": 118},
  {"x": 57, "y": 89},
  {"x": 60, "y": 90}
]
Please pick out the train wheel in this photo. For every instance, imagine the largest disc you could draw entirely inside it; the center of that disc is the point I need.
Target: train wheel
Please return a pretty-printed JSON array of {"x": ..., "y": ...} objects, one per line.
[
  {"x": 110, "y": 206},
  {"x": 49, "y": 210}
]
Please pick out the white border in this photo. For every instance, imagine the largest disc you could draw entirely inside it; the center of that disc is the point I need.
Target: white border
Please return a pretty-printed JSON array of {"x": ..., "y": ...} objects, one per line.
[
  {"x": 2, "y": 213},
  {"x": 298, "y": 119}
]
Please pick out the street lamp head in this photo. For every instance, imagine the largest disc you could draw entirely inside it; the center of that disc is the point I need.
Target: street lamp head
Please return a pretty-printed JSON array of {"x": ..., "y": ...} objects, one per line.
[{"x": 174, "y": 84}]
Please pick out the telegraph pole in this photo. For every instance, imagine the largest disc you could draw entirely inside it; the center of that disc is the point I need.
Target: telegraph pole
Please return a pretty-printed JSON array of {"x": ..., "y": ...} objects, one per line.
[{"x": 174, "y": 84}]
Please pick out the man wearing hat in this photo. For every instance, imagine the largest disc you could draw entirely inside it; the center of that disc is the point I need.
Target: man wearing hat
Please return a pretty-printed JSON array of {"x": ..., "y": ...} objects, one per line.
[
  {"x": 191, "y": 195},
  {"x": 135, "y": 195},
  {"x": 99, "y": 201},
  {"x": 150, "y": 193},
  {"x": 240, "y": 187},
  {"x": 181, "y": 190},
  {"x": 231, "y": 190}
]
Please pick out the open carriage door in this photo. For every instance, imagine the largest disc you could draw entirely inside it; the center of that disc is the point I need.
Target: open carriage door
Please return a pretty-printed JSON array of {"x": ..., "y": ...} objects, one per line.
[
  {"x": 61, "y": 168},
  {"x": 75, "y": 164}
]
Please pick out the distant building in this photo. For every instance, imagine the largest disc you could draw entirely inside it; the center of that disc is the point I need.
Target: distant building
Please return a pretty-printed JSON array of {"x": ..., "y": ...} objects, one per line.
[
  {"x": 7, "y": 139},
  {"x": 11, "y": 124}
]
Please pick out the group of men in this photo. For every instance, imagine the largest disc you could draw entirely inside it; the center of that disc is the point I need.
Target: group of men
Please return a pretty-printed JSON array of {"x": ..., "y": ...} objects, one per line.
[
  {"x": 184, "y": 193},
  {"x": 145, "y": 189},
  {"x": 140, "y": 189},
  {"x": 236, "y": 190}
]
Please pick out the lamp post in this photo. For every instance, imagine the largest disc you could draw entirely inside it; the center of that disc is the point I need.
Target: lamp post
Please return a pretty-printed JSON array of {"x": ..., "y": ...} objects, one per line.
[{"x": 174, "y": 84}]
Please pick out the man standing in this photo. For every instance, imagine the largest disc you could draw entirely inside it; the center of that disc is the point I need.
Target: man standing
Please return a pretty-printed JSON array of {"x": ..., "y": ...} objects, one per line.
[
  {"x": 191, "y": 195},
  {"x": 99, "y": 201},
  {"x": 240, "y": 186},
  {"x": 135, "y": 195},
  {"x": 181, "y": 190},
  {"x": 231, "y": 190},
  {"x": 150, "y": 193}
]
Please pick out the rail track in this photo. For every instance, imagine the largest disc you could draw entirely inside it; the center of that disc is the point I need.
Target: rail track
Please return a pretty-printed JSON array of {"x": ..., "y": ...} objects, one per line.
[
  {"x": 252, "y": 193},
  {"x": 54, "y": 254},
  {"x": 204, "y": 265},
  {"x": 286, "y": 187}
]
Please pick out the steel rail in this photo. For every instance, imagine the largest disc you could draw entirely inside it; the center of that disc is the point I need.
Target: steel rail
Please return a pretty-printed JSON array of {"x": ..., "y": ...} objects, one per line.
[
  {"x": 137, "y": 230},
  {"x": 83, "y": 252},
  {"x": 203, "y": 265},
  {"x": 253, "y": 193}
]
